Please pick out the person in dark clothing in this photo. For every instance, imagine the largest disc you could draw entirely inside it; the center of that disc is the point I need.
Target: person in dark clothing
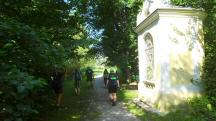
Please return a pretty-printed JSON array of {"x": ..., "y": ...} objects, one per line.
[
  {"x": 57, "y": 85},
  {"x": 113, "y": 84},
  {"x": 105, "y": 76},
  {"x": 90, "y": 76},
  {"x": 77, "y": 79}
]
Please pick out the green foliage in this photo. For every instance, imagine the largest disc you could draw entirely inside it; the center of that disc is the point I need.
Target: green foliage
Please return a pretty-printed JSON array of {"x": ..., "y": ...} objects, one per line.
[
  {"x": 209, "y": 75},
  {"x": 202, "y": 108},
  {"x": 35, "y": 38},
  {"x": 116, "y": 19},
  {"x": 187, "y": 3},
  {"x": 19, "y": 93}
]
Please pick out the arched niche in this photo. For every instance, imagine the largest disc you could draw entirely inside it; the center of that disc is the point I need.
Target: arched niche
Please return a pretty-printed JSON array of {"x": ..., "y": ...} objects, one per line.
[{"x": 149, "y": 52}]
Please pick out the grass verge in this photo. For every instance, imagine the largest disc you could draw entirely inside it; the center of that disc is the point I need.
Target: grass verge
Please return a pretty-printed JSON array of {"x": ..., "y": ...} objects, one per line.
[
  {"x": 196, "y": 110},
  {"x": 73, "y": 106}
]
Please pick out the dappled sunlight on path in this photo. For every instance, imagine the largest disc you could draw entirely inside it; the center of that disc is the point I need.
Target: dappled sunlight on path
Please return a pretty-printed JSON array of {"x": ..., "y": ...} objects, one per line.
[{"x": 100, "y": 108}]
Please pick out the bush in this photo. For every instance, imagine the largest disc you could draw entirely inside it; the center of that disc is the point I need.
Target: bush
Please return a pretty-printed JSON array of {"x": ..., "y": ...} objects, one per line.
[
  {"x": 195, "y": 109},
  {"x": 201, "y": 107},
  {"x": 19, "y": 93}
]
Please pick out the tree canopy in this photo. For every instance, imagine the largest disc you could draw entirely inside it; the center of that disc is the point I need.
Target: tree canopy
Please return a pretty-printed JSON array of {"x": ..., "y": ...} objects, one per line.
[
  {"x": 37, "y": 37},
  {"x": 117, "y": 19}
]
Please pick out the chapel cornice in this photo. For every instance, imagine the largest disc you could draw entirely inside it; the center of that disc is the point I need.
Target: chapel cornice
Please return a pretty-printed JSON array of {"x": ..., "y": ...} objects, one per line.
[{"x": 169, "y": 12}]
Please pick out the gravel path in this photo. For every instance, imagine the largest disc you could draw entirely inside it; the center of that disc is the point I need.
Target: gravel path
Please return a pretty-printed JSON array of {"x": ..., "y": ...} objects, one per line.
[{"x": 100, "y": 108}]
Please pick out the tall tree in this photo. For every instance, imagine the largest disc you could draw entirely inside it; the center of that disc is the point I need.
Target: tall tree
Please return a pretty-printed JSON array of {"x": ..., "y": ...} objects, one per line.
[
  {"x": 47, "y": 32},
  {"x": 116, "y": 19},
  {"x": 36, "y": 36}
]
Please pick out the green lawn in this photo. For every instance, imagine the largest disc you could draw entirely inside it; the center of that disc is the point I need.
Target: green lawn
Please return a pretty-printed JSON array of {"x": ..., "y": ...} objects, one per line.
[
  {"x": 73, "y": 107},
  {"x": 186, "y": 113}
]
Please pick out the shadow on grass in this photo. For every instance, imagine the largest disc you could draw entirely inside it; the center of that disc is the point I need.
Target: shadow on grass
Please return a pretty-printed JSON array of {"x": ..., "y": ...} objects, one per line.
[
  {"x": 127, "y": 92},
  {"x": 73, "y": 106}
]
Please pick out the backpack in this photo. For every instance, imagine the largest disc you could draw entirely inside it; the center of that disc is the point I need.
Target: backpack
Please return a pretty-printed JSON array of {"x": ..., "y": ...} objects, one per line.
[
  {"x": 89, "y": 73},
  {"x": 113, "y": 80},
  {"x": 77, "y": 75}
]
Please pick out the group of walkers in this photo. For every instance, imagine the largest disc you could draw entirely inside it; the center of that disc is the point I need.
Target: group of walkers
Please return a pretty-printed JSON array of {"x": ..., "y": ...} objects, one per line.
[
  {"x": 111, "y": 81},
  {"x": 57, "y": 82},
  {"x": 78, "y": 77}
]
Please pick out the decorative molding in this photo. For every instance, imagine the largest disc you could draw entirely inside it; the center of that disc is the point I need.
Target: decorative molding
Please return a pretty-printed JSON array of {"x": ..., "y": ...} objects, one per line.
[
  {"x": 149, "y": 84},
  {"x": 169, "y": 12},
  {"x": 147, "y": 21}
]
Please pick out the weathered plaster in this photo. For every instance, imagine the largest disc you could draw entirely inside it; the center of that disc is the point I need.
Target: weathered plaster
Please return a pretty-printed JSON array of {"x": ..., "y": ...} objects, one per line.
[{"x": 178, "y": 55}]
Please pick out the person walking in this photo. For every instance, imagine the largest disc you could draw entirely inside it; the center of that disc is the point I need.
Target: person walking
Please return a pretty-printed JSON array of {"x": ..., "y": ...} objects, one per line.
[
  {"x": 105, "y": 77},
  {"x": 113, "y": 84},
  {"x": 77, "y": 79},
  {"x": 90, "y": 76},
  {"x": 57, "y": 85}
]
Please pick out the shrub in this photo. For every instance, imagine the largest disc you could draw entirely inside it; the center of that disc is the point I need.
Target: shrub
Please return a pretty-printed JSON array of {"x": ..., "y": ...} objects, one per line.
[
  {"x": 19, "y": 94},
  {"x": 202, "y": 107}
]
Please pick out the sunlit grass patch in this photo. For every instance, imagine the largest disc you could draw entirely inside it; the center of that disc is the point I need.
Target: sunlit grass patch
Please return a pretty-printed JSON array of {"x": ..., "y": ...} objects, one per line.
[
  {"x": 137, "y": 111},
  {"x": 127, "y": 95},
  {"x": 76, "y": 116},
  {"x": 197, "y": 110}
]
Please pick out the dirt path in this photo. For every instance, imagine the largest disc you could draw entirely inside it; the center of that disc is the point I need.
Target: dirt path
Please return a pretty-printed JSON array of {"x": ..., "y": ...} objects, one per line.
[{"x": 100, "y": 108}]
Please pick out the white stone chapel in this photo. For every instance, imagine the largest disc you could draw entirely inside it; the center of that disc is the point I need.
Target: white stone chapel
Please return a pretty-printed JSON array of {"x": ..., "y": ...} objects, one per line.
[{"x": 170, "y": 50}]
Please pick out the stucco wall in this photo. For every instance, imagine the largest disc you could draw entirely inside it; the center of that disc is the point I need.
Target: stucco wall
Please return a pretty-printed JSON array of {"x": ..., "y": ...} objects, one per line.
[
  {"x": 150, "y": 94},
  {"x": 178, "y": 56}
]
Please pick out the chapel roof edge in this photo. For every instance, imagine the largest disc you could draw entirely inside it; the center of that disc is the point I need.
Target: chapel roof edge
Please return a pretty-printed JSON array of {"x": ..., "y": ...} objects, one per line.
[{"x": 169, "y": 11}]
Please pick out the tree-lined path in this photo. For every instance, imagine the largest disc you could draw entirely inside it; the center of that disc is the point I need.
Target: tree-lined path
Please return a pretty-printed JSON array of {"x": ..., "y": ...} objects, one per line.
[
  {"x": 101, "y": 107},
  {"x": 92, "y": 105},
  {"x": 39, "y": 37}
]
